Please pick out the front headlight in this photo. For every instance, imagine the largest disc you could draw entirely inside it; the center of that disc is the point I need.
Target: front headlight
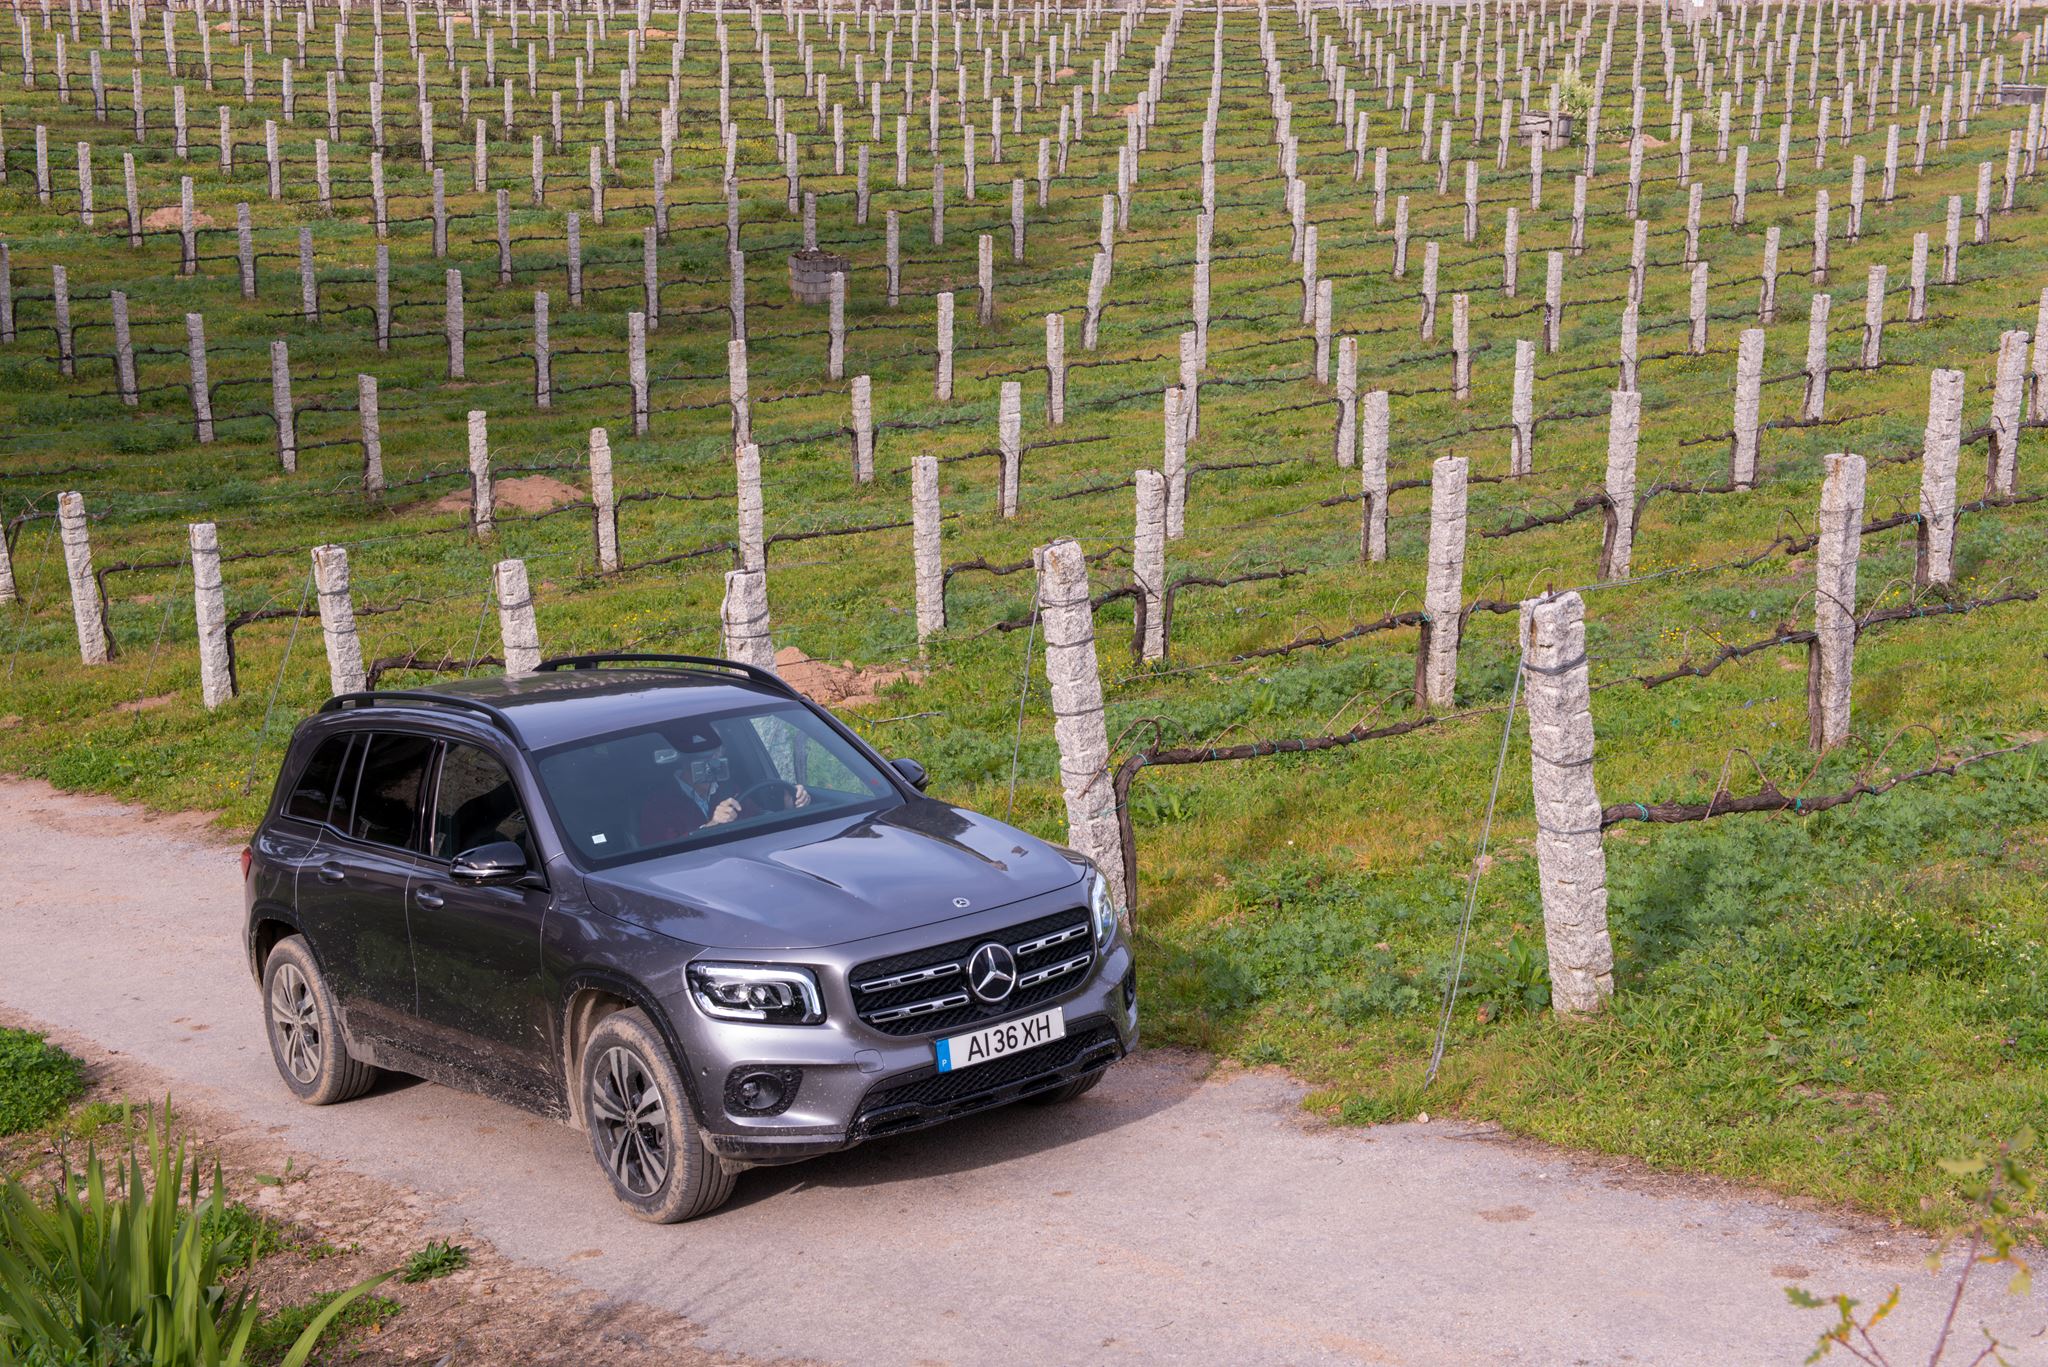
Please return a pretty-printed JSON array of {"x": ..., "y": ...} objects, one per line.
[
  {"x": 767, "y": 994},
  {"x": 1102, "y": 910}
]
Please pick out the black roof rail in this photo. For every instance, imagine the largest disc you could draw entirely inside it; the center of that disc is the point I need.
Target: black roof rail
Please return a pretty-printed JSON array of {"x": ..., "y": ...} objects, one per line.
[
  {"x": 767, "y": 678},
  {"x": 344, "y": 702}
]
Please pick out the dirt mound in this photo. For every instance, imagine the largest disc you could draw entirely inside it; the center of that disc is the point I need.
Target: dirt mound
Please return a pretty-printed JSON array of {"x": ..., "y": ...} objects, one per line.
[
  {"x": 520, "y": 494},
  {"x": 840, "y": 685},
  {"x": 168, "y": 217}
]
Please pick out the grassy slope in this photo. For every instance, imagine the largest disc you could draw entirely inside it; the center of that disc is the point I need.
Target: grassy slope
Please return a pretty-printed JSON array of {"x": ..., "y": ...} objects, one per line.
[{"x": 1824, "y": 1003}]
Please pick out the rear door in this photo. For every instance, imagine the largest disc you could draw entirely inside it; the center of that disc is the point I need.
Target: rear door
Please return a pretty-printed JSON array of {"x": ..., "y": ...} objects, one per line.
[
  {"x": 361, "y": 876},
  {"x": 287, "y": 842},
  {"x": 476, "y": 950}
]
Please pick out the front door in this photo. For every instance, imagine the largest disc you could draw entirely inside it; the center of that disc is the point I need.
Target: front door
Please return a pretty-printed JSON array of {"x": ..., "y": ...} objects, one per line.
[{"x": 476, "y": 950}]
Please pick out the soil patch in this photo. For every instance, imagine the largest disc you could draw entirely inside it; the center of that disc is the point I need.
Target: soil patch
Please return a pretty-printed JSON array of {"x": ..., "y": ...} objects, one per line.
[
  {"x": 146, "y": 704},
  {"x": 521, "y": 494},
  {"x": 840, "y": 685},
  {"x": 168, "y": 217}
]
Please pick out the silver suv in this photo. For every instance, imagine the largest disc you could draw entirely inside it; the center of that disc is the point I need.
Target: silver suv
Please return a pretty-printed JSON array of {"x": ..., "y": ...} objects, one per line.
[{"x": 673, "y": 903}]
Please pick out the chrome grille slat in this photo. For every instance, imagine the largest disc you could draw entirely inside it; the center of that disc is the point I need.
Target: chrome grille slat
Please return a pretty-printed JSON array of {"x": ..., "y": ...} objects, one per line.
[
  {"x": 1046, "y": 942},
  {"x": 919, "y": 975},
  {"x": 923, "y": 1008},
  {"x": 1047, "y": 974}
]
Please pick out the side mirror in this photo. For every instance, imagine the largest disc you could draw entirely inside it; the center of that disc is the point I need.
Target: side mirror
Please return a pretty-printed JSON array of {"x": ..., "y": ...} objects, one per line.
[
  {"x": 501, "y": 861},
  {"x": 913, "y": 772}
]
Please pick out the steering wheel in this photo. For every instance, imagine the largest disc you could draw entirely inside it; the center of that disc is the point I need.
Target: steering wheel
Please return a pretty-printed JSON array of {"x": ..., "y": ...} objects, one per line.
[{"x": 746, "y": 797}]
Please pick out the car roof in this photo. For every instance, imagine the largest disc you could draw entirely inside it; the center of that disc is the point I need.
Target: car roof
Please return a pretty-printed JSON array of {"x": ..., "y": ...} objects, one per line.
[{"x": 554, "y": 707}]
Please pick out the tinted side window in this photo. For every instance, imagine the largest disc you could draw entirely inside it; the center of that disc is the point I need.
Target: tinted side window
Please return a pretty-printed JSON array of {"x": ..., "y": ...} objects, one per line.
[
  {"x": 477, "y": 804},
  {"x": 387, "y": 805},
  {"x": 313, "y": 798}
]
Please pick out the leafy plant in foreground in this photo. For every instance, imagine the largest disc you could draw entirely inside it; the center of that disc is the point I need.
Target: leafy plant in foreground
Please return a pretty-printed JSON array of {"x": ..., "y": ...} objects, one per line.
[{"x": 131, "y": 1267}]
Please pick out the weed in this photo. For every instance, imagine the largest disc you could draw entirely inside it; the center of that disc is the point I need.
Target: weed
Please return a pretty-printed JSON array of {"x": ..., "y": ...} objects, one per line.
[{"x": 437, "y": 1259}]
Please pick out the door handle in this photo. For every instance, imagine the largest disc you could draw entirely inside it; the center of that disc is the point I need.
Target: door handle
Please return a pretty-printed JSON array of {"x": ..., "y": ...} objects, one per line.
[
  {"x": 331, "y": 872},
  {"x": 428, "y": 898}
]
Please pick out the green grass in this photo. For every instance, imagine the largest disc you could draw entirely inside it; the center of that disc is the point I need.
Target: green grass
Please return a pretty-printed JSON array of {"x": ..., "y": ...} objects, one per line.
[
  {"x": 1774, "y": 1020},
  {"x": 37, "y": 1080},
  {"x": 437, "y": 1259},
  {"x": 276, "y": 1332},
  {"x": 246, "y": 1236}
]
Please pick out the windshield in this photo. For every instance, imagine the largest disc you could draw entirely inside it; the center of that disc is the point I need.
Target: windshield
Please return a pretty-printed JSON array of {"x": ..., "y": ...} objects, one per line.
[{"x": 678, "y": 785}]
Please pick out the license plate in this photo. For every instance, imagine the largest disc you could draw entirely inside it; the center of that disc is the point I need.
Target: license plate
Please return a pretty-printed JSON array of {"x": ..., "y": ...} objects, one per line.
[{"x": 994, "y": 1041}]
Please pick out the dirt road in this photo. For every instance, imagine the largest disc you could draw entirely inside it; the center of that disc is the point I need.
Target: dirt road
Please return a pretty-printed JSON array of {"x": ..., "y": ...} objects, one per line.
[{"x": 1173, "y": 1215}]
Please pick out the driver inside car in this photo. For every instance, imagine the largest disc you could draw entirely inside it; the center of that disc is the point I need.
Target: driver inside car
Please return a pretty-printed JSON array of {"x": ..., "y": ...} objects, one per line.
[{"x": 699, "y": 791}]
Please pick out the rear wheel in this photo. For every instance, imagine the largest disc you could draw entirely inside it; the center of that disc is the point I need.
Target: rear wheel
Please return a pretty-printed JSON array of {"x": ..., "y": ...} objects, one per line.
[
  {"x": 304, "y": 1026},
  {"x": 641, "y": 1129}
]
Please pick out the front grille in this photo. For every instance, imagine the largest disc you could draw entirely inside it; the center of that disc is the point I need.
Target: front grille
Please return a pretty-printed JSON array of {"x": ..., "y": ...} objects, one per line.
[
  {"x": 924, "y": 992},
  {"x": 940, "y": 1095}
]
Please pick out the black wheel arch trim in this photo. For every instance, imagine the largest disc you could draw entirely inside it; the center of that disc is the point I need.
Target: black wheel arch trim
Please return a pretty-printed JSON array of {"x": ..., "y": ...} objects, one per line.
[
  {"x": 283, "y": 915},
  {"x": 631, "y": 990}
]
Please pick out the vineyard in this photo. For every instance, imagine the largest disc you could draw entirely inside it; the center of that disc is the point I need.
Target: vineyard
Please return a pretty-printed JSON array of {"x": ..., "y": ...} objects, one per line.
[{"x": 1406, "y": 378}]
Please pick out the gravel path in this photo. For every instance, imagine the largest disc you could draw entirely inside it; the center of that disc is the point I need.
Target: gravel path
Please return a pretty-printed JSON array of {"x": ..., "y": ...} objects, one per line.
[{"x": 1177, "y": 1214}]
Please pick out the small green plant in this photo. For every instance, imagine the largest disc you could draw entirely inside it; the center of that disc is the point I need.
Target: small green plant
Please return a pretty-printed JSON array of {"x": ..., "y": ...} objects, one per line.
[
  {"x": 130, "y": 1267},
  {"x": 1514, "y": 978},
  {"x": 2002, "y": 1192},
  {"x": 37, "y": 1080},
  {"x": 437, "y": 1259},
  {"x": 244, "y": 1237}
]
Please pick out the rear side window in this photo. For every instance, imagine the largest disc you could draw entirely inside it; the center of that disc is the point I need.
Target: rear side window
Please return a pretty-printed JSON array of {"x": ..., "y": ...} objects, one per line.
[
  {"x": 313, "y": 799},
  {"x": 477, "y": 804},
  {"x": 387, "y": 807}
]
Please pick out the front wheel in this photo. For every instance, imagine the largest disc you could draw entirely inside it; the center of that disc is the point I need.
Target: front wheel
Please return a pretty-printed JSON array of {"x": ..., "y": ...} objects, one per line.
[
  {"x": 304, "y": 1026},
  {"x": 641, "y": 1129}
]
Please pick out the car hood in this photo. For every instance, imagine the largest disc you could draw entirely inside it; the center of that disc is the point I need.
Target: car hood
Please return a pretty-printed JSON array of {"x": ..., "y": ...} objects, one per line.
[{"x": 836, "y": 881}]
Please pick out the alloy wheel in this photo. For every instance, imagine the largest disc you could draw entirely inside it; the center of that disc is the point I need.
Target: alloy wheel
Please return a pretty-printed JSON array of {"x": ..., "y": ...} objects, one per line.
[
  {"x": 631, "y": 1120},
  {"x": 296, "y": 1019}
]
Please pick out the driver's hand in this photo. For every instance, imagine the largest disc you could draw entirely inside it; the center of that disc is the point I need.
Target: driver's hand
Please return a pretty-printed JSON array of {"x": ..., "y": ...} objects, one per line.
[
  {"x": 728, "y": 810},
  {"x": 803, "y": 797}
]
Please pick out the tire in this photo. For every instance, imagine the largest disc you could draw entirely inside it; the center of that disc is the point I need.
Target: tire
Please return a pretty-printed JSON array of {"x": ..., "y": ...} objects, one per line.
[
  {"x": 658, "y": 1165},
  {"x": 1077, "y": 1088},
  {"x": 304, "y": 1028}
]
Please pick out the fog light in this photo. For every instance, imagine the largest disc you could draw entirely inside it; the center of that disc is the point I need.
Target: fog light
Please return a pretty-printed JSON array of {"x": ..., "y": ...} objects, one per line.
[{"x": 759, "y": 1091}]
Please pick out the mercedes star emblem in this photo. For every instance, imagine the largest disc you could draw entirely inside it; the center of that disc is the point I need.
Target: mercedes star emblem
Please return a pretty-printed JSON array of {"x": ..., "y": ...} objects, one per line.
[
  {"x": 962, "y": 903},
  {"x": 991, "y": 973}
]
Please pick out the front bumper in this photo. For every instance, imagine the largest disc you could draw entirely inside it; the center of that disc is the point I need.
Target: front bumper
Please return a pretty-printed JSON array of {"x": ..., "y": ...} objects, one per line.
[{"x": 858, "y": 1084}]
